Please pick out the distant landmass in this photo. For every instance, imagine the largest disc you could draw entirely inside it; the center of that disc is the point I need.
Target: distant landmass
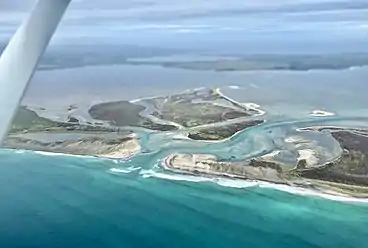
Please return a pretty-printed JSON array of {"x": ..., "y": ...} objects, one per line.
[
  {"x": 79, "y": 55},
  {"x": 271, "y": 62},
  {"x": 70, "y": 56}
]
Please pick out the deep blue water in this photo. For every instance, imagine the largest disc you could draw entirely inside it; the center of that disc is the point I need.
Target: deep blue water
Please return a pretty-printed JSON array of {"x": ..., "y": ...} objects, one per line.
[
  {"x": 73, "y": 202},
  {"x": 77, "y": 202}
]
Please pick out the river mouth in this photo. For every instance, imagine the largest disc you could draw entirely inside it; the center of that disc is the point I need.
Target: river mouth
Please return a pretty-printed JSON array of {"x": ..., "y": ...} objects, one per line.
[
  {"x": 287, "y": 103},
  {"x": 204, "y": 132}
]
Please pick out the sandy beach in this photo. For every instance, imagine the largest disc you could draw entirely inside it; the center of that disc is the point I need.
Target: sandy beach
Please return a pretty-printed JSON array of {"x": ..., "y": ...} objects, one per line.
[
  {"x": 185, "y": 162},
  {"x": 124, "y": 150},
  {"x": 250, "y": 105}
]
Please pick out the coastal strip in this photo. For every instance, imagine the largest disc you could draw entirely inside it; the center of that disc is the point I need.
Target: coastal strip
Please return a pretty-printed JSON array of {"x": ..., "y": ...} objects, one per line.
[
  {"x": 247, "y": 106},
  {"x": 185, "y": 171}
]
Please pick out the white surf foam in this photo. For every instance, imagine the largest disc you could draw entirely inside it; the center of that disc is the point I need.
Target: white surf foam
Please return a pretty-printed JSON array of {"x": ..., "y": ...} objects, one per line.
[
  {"x": 125, "y": 171},
  {"x": 310, "y": 192},
  {"x": 255, "y": 107},
  {"x": 57, "y": 154},
  {"x": 117, "y": 170},
  {"x": 239, "y": 184},
  {"x": 174, "y": 177},
  {"x": 321, "y": 113},
  {"x": 234, "y": 87},
  {"x": 289, "y": 189},
  {"x": 20, "y": 151}
]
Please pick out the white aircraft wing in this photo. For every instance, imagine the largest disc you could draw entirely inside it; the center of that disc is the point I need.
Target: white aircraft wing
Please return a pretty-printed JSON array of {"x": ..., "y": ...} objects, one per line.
[{"x": 20, "y": 58}]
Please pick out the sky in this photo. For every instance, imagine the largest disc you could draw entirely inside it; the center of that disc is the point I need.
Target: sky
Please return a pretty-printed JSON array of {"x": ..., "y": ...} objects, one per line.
[{"x": 254, "y": 25}]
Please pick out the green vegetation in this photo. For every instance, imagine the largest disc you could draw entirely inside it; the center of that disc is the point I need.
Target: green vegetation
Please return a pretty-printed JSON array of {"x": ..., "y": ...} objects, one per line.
[
  {"x": 195, "y": 114},
  {"x": 179, "y": 108},
  {"x": 351, "y": 168},
  {"x": 29, "y": 120},
  {"x": 121, "y": 113},
  {"x": 32, "y": 132},
  {"x": 254, "y": 169},
  {"x": 353, "y": 190},
  {"x": 125, "y": 113},
  {"x": 147, "y": 123},
  {"x": 222, "y": 132}
]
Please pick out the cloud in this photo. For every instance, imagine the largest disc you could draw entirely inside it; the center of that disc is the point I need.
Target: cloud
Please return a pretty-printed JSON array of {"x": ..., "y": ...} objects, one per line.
[
  {"x": 15, "y": 5},
  {"x": 220, "y": 9},
  {"x": 168, "y": 10},
  {"x": 241, "y": 21}
]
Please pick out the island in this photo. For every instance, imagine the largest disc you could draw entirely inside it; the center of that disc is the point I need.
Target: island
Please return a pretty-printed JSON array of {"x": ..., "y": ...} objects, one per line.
[
  {"x": 327, "y": 159},
  {"x": 106, "y": 129}
]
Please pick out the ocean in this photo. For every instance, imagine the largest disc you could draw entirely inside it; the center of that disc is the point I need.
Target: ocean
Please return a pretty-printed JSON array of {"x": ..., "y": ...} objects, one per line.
[
  {"x": 53, "y": 200},
  {"x": 60, "y": 201}
]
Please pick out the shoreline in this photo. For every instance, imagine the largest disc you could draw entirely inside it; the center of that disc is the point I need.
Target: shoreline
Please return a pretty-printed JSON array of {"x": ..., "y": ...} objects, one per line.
[
  {"x": 221, "y": 181},
  {"x": 259, "y": 170},
  {"x": 217, "y": 141},
  {"x": 249, "y": 105},
  {"x": 97, "y": 146},
  {"x": 62, "y": 154},
  {"x": 166, "y": 164},
  {"x": 325, "y": 191}
]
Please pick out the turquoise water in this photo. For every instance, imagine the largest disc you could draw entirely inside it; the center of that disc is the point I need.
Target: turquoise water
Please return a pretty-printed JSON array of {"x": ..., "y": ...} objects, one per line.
[
  {"x": 58, "y": 201},
  {"x": 61, "y": 201}
]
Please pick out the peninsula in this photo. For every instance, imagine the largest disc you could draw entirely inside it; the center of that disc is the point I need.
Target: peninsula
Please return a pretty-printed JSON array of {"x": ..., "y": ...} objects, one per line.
[
  {"x": 111, "y": 130},
  {"x": 345, "y": 175},
  {"x": 107, "y": 128},
  {"x": 32, "y": 132}
]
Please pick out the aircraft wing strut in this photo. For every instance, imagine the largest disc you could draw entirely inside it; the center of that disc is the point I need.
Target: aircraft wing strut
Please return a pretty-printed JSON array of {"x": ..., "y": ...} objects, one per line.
[{"x": 20, "y": 58}]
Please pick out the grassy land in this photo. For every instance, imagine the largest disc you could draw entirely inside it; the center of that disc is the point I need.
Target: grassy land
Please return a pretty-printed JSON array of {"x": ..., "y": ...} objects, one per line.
[
  {"x": 195, "y": 114},
  {"x": 124, "y": 113},
  {"x": 351, "y": 168},
  {"x": 222, "y": 132},
  {"x": 29, "y": 120},
  {"x": 352, "y": 190}
]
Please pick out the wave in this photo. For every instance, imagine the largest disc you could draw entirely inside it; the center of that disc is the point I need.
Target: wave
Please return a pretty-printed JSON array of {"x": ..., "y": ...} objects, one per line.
[
  {"x": 232, "y": 183},
  {"x": 20, "y": 151},
  {"x": 310, "y": 192},
  {"x": 125, "y": 171},
  {"x": 241, "y": 184},
  {"x": 321, "y": 113},
  {"x": 174, "y": 177},
  {"x": 59, "y": 154}
]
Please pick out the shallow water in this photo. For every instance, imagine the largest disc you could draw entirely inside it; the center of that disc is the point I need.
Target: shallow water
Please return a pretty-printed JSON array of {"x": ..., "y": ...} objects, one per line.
[
  {"x": 60, "y": 201},
  {"x": 72, "y": 202}
]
